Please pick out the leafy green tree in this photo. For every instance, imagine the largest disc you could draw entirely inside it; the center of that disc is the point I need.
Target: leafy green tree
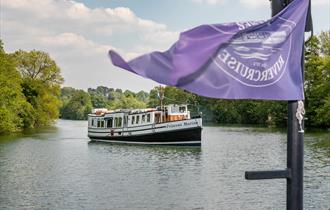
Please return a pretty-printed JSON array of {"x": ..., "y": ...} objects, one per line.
[
  {"x": 316, "y": 82},
  {"x": 118, "y": 90},
  {"x": 99, "y": 101},
  {"x": 154, "y": 99},
  {"x": 322, "y": 111},
  {"x": 142, "y": 96},
  {"x": 325, "y": 42},
  {"x": 66, "y": 93},
  {"x": 129, "y": 93},
  {"x": 129, "y": 102},
  {"x": 78, "y": 107},
  {"x": 41, "y": 82},
  {"x": 171, "y": 95},
  {"x": 14, "y": 110},
  {"x": 38, "y": 65},
  {"x": 224, "y": 111}
]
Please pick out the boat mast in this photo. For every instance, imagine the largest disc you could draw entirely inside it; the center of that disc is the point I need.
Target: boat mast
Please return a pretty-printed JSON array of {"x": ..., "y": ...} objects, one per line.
[{"x": 161, "y": 98}]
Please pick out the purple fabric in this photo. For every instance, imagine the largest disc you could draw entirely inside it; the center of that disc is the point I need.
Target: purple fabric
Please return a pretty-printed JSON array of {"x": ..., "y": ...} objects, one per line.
[{"x": 243, "y": 60}]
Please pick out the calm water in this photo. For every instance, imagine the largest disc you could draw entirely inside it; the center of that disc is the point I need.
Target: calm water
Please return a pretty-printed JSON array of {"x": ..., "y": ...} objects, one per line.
[{"x": 59, "y": 169}]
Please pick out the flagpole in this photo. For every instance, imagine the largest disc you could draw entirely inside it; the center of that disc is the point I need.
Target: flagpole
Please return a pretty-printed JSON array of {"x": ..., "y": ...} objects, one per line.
[
  {"x": 295, "y": 160},
  {"x": 295, "y": 139},
  {"x": 295, "y": 146}
]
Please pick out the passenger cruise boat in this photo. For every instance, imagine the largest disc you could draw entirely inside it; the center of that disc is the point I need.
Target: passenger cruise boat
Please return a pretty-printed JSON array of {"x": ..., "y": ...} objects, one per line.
[{"x": 166, "y": 125}]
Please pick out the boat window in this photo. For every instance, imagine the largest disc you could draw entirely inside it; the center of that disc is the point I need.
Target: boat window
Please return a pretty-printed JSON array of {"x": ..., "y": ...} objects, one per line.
[
  {"x": 182, "y": 109},
  {"x": 174, "y": 109},
  {"x": 92, "y": 123},
  {"x": 125, "y": 120},
  {"x": 102, "y": 123},
  {"x": 148, "y": 117},
  {"x": 143, "y": 118},
  {"x": 157, "y": 118},
  {"x": 109, "y": 122},
  {"x": 118, "y": 121},
  {"x": 98, "y": 123},
  {"x": 133, "y": 120},
  {"x": 137, "y": 119}
]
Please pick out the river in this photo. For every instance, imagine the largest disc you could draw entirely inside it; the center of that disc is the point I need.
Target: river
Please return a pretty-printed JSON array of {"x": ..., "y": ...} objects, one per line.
[{"x": 58, "y": 168}]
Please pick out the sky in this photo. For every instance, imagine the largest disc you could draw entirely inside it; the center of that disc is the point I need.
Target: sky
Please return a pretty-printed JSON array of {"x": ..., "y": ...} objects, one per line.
[{"x": 78, "y": 34}]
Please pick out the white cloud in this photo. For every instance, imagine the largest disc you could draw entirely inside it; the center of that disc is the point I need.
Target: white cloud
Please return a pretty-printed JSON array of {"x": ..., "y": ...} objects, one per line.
[
  {"x": 255, "y": 3},
  {"x": 79, "y": 37},
  {"x": 212, "y": 2},
  {"x": 321, "y": 3},
  {"x": 70, "y": 41}
]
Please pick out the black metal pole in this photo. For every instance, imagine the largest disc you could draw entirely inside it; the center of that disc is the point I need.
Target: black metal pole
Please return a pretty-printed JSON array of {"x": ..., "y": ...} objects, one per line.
[
  {"x": 295, "y": 139},
  {"x": 295, "y": 143},
  {"x": 295, "y": 160}
]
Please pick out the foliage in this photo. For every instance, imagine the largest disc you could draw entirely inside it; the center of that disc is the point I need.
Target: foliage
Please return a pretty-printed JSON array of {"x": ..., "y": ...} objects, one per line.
[
  {"x": 104, "y": 97},
  {"x": 41, "y": 81},
  {"x": 13, "y": 106},
  {"x": 127, "y": 102},
  {"x": 77, "y": 106},
  {"x": 38, "y": 66},
  {"x": 317, "y": 81},
  {"x": 78, "y": 103},
  {"x": 142, "y": 96},
  {"x": 223, "y": 111},
  {"x": 324, "y": 38},
  {"x": 30, "y": 84}
]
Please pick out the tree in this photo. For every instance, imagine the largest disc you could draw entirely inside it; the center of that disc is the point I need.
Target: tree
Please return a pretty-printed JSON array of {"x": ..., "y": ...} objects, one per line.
[
  {"x": 142, "y": 96},
  {"x": 323, "y": 110},
  {"x": 38, "y": 65},
  {"x": 41, "y": 81},
  {"x": 128, "y": 93},
  {"x": 317, "y": 81},
  {"x": 129, "y": 102},
  {"x": 154, "y": 97},
  {"x": 118, "y": 90},
  {"x": 99, "y": 101},
  {"x": 78, "y": 107},
  {"x": 325, "y": 42},
  {"x": 172, "y": 95},
  {"x": 15, "y": 112}
]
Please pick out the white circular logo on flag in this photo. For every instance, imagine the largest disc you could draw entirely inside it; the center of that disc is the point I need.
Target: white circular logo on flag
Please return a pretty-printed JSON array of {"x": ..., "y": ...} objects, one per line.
[{"x": 257, "y": 58}]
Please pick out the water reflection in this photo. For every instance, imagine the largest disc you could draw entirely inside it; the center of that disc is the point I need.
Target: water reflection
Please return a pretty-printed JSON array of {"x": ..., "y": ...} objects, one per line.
[
  {"x": 319, "y": 142},
  {"x": 157, "y": 149}
]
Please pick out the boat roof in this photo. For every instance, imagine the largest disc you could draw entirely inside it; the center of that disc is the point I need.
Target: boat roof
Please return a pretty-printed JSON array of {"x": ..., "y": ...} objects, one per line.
[{"x": 103, "y": 111}]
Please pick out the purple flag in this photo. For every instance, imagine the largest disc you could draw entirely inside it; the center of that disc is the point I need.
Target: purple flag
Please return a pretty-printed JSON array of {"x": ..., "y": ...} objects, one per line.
[{"x": 242, "y": 60}]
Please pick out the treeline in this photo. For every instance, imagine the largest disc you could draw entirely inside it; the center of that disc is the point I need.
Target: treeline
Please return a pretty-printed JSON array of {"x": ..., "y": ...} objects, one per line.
[
  {"x": 78, "y": 103},
  {"x": 30, "y": 94},
  {"x": 29, "y": 90}
]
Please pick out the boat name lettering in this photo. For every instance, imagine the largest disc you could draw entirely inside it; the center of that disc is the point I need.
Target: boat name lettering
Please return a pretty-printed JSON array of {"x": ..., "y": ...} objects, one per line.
[
  {"x": 174, "y": 125},
  {"x": 180, "y": 124},
  {"x": 190, "y": 123}
]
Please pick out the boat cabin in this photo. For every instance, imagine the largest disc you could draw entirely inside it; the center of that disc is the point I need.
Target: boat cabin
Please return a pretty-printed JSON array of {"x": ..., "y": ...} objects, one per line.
[{"x": 103, "y": 118}]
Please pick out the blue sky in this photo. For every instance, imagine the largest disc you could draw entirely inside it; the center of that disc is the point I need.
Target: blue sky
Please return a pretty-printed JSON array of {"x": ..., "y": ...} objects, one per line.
[
  {"x": 78, "y": 34},
  {"x": 181, "y": 14}
]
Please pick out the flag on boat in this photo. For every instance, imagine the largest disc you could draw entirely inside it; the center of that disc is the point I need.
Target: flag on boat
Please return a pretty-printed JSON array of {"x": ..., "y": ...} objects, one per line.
[{"x": 240, "y": 60}]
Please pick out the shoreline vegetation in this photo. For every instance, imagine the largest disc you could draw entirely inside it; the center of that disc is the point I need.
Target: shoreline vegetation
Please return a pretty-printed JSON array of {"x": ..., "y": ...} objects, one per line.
[{"x": 31, "y": 96}]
